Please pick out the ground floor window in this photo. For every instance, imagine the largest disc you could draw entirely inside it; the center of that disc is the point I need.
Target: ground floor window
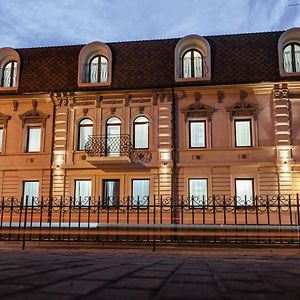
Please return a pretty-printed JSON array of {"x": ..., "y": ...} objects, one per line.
[
  {"x": 244, "y": 191},
  {"x": 83, "y": 189},
  {"x": 140, "y": 192},
  {"x": 111, "y": 192},
  {"x": 198, "y": 191},
  {"x": 30, "y": 193}
]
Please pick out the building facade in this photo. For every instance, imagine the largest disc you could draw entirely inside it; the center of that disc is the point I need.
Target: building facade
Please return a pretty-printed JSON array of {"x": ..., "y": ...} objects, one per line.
[{"x": 192, "y": 117}]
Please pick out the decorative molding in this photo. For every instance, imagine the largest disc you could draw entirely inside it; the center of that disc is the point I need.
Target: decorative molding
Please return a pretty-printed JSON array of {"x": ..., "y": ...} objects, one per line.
[
  {"x": 155, "y": 98},
  {"x": 141, "y": 109},
  {"x": 85, "y": 111},
  {"x": 198, "y": 110},
  {"x": 4, "y": 119},
  {"x": 15, "y": 105},
  {"x": 99, "y": 101},
  {"x": 243, "y": 95},
  {"x": 113, "y": 110},
  {"x": 242, "y": 109},
  {"x": 128, "y": 98},
  {"x": 34, "y": 116},
  {"x": 221, "y": 96},
  {"x": 281, "y": 91},
  {"x": 34, "y": 104}
]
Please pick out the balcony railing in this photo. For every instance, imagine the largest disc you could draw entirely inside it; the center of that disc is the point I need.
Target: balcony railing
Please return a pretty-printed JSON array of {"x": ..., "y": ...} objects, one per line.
[{"x": 116, "y": 146}]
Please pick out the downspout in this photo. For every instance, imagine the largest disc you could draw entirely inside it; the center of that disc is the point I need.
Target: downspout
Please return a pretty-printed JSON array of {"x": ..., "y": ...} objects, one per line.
[
  {"x": 174, "y": 148},
  {"x": 52, "y": 146}
]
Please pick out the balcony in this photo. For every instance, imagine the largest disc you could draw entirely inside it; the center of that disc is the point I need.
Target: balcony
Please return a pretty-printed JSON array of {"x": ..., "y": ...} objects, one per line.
[{"x": 114, "y": 151}]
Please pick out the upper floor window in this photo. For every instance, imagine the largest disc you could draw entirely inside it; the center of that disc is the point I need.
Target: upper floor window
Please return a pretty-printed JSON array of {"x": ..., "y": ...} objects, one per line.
[
  {"x": 113, "y": 132},
  {"x": 33, "y": 143},
  {"x": 141, "y": 133},
  {"x": 9, "y": 68},
  {"x": 9, "y": 74},
  {"x": 243, "y": 133},
  {"x": 192, "y": 64},
  {"x": 85, "y": 129},
  {"x": 95, "y": 65},
  {"x": 291, "y": 58},
  {"x": 192, "y": 59},
  {"x": 98, "y": 69},
  {"x": 197, "y": 131},
  {"x": 289, "y": 52}
]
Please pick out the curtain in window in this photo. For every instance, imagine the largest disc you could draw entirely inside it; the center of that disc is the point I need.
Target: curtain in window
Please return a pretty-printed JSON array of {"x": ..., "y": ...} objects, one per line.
[
  {"x": 198, "y": 192},
  {"x": 1, "y": 139},
  {"x": 243, "y": 133},
  {"x": 111, "y": 192},
  {"x": 98, "y": 69},
  {"x": 104, "y": 66},
  {"x": 31, "y": 190},
  {"x": 83, "y": 190},
  {"x": 244, "y": 192},
  {"x": 94, "y": 70},
  {"x": 141, "y": 133},
  {"x": 140, "y": 192},
  {"x": 198, "y": 64},
  {"x": 85, "y": 129},
  {"x": 9, "y": 74},
  {"x": 297, "y": 58},
  {"x": 187, "y": 65},
  {"x": 34, "y": 139},
  {"x": 287, "y": 59},
  {"x": 113, "y": 131},
  {"x": 197, "y": 131}
]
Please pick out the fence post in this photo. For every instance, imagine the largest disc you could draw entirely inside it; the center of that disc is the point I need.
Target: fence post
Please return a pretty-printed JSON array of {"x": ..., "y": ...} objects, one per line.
[
  {"x": 154, "y": 236},
  {"x": 25, "y": 221}
]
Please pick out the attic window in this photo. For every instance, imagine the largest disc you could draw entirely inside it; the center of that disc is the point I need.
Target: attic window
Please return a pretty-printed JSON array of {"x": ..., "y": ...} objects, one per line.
[
  {"x": 9, "y": 69},
  {"x": 289, "y": 52},
  {"x": 95, "y": 65},
  {"x": 192, "y": 59}
]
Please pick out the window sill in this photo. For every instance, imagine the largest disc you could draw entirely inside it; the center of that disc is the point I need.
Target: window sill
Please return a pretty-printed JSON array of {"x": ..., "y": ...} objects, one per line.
[
  {"x": 292, "y": 74},
  {"x": 88, "y": 84},
  {"x": 205, "y": 78},
  {"x": 9, "y": 88}
]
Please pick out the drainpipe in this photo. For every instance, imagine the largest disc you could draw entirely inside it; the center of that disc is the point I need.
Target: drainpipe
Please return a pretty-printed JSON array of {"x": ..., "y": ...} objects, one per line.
[{"x": 52, "y": 146}]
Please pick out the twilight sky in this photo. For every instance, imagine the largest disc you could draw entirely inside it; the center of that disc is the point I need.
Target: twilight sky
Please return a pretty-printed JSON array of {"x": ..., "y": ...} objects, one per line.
[{"x": 34, "y": 23}]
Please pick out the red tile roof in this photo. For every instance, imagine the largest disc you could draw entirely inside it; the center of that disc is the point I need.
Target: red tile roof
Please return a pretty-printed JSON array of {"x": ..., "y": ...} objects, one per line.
[{"x": 241, "y": 58}]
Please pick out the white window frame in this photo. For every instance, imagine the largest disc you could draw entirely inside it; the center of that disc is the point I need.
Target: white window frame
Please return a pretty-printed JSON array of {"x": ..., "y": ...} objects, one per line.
[
  {"x": 82, "y": 200},
  {"x": 244, "y": 199},
  {"x": 27, "y": 138},
  {"x": 2, "y": 132},
  {"x": 197, "y": 200},
  {"x": 32, "y": 202},
  {"x": 141, "y": 201},
  {"x": 79, "y": 137},
  {"x": 205, "y": 131},
  {"x": 237, "y": 120},
  {"x": 134, "y": 123}
]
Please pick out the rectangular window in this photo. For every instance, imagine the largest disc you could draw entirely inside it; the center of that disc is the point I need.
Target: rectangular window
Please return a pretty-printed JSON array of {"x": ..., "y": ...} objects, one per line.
[
  {"x": 83, "y": 189},
  {"x": 198, "y": 191},
  {"x": 140, "y": 192},
  {"x": 244, "y": 191},
  {"x": 1, "y": 139},
  {"x": 30, "y": 193},
  {"x": 243, "y": 134},
  {"x": 197, "y": 134},
  {"x": 111, "y": 192},
  {"x": 33, "y": 139}
]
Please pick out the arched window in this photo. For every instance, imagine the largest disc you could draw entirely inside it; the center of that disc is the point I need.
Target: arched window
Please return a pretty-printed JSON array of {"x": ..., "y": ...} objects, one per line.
[
  {"x": 192, "y": 64},
  {"x": 85, "y": 129},
  {"x": 291, "y": 58},
  {"x": 113, "y": 132},
  {"x": 98, "y": 69},
  {"x": 9, "y": 74},
  {"x": 141, "y": 133}
]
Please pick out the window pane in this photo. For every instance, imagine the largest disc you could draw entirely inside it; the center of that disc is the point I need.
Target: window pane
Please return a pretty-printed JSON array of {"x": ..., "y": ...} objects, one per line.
[
  {"x": 141, "y": 135},
  {"x": 140, "y": 192},
  {"x": 113, "y": 131},
  {"x": 244, "y": 191},
  {"x": 1, "y": 139},
  {"x": 243, "y": 133},
  {"x": 198, "y": 192},
  {"x": 111, "y": 192},
  {"x": 197, "y": 134},
  {"x": 103, "y": 69},
  {"x": 31, "y": 190},
  {"x": 94, "y": 70},
  {"x": 83, "y": 189},
  {"x": 187, "y": 65},
  {"x": 197, "y": 64},
  {"x": 84, "y": 132},
  {"x": 34, "y": 139},
  {"x": 297, "y": 58},
  {"x": 287, "y": 59}
]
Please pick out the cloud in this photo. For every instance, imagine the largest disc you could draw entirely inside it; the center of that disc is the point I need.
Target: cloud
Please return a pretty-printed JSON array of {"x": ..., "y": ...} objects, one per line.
[{"x": 57, "y": 22}]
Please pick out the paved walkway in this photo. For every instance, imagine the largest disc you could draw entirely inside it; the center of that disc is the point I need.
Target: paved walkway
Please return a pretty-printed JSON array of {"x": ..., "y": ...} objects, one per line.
[{"x": 142, "y": 274}]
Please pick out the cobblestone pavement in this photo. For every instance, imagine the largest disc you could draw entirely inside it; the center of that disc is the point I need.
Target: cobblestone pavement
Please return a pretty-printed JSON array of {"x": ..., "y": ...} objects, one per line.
[{"x": 142, "y": 274}]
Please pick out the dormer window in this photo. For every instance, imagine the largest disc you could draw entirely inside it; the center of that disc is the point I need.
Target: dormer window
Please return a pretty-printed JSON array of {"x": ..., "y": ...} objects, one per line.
[
  {"x": 291, "y": 58},
  {"x": 95, "y": 65},
  {"x": 9, "y": 69},
  {"x": 192, "y": 59},
  {"x": 289, "y": 53},
  {"x": 192, "y": 64},
  {"x": 98, "y": 69}
]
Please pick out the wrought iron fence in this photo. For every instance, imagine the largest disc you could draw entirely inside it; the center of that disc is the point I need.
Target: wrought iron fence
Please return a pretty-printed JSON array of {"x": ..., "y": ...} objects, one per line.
[
  {"x": 217, "y": 219},
  {"x": 115, "y": 146}
]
